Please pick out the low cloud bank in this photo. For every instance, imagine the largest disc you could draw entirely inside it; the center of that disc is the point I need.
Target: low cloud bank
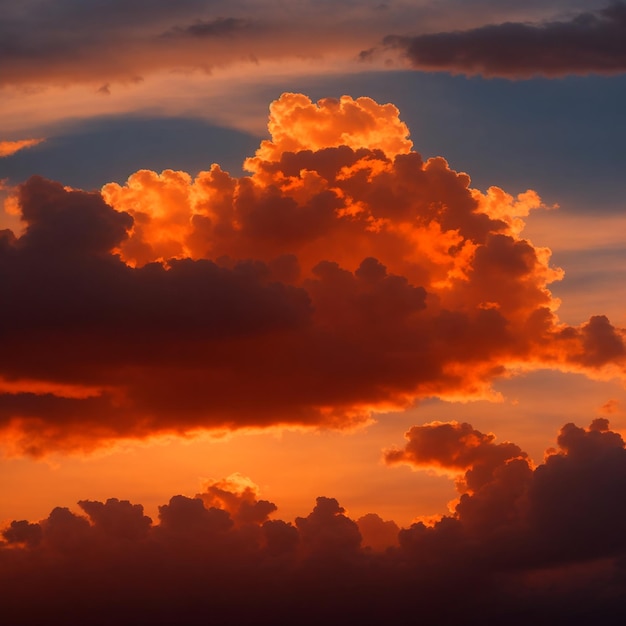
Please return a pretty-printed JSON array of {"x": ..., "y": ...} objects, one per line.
[{"x": 524, "y": 543}]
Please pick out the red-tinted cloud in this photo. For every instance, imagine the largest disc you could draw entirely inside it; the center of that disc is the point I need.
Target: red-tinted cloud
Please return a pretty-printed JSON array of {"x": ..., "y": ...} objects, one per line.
[
  {"x": 377, "y": 533},
  {"x": 59, "y": 42},
  {"x": 548, "y": 539},
  {"x": 343, "y": 276},
  {"x": 565, "y": 509},
  {"x": 592, "y": 42},
  {"x": 237, "y": 495},
  {"x": 457, "y": 447}
]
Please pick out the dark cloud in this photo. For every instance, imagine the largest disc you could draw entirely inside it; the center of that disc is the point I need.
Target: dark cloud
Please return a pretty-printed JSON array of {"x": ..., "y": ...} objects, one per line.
[
  {"x": 458, "y": 447},
  {"x": 591, "y": 42},
  {"x": 528, "y": 545},
  {"x": 564, "y": 510}
]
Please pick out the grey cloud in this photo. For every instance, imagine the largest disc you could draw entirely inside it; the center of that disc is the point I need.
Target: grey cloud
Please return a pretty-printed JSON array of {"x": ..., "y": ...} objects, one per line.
[{"x": 586, "y": 43}]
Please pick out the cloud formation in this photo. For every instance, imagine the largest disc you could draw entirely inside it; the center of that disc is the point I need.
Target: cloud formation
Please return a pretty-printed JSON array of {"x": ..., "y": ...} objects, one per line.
[
  {"x": 590, "y": 42},
  {"x": 61, "y": 42},
  {"x": 345, "y": 275},
  {"x": 457, "y": 447},
  {"x": 526, "y": 544}
]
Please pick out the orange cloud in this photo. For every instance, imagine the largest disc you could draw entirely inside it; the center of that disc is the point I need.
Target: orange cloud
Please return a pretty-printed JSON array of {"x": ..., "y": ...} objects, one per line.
[
  {"x": 333, "y": 281},
  {"x": 458, "y": 447},
  {"x": 297, "y": 124},
  {"x": 7, "y": 148},
  {"x": 237, "y": 494}
]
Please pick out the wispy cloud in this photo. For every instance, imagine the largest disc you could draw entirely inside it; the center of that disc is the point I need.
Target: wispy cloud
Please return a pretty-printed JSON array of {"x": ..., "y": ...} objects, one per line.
[
  {"x": 545, "y": 538},
  {"x": 61, "y": 42}
]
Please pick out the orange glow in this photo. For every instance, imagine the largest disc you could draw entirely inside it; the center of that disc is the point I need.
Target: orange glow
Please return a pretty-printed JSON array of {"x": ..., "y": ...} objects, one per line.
[
  {"x": 45, "y": 387},
  {"x": 7, "y": 148}
]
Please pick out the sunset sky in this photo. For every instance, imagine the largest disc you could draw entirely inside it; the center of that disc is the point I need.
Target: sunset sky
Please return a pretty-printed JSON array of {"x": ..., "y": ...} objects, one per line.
[{"x": 296, "y": 276}]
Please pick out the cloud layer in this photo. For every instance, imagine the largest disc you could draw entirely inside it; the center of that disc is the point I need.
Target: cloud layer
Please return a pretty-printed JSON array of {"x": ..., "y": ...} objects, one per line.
[
  {"x": 60, "y": 42},
  {"x": 7, "y": 148},
  {"x": 524, "y": 544},
  {"x": 343, "y": 276}
]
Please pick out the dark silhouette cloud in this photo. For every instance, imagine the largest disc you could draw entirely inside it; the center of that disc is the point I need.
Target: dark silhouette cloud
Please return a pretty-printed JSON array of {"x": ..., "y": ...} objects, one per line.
[
  {"x": 458, "y": 447},
  {"x": 525, "y": 544},
  {"x": 591, "y": 42}
]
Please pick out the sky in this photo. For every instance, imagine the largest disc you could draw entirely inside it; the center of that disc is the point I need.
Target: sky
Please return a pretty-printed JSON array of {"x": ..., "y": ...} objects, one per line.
[{"x": 312, "y": 309}]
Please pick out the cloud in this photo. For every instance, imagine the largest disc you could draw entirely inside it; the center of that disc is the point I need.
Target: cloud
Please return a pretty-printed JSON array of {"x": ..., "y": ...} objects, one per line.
[
  {"x": 342, "y": 277},
  {"x": 536, "y": 516},
  {"x": 7, "y": 148},
  {"x": 60, "y": 62},
  {"x": 548, "y": 538},
  {"x": 59, "y": 42},
  {"x": 377, "y": 533},
  {"x": 458, "y": 447},
  {"x": 590, "y": 42},
  {"x": 62, "y": 43}
]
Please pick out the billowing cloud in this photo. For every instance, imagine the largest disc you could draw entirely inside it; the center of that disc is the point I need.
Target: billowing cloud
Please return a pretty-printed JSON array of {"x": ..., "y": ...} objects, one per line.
[
  {"x": 590, "y": 42},
  {"x": 548, "y": 539},
  {"x": 343, "y": 276},
  {"x": 63, "y": 43},
  {"x": 454, "y": 446},
  {"x": 7, "y": 148},
  {"x": 565, "y": 509}
]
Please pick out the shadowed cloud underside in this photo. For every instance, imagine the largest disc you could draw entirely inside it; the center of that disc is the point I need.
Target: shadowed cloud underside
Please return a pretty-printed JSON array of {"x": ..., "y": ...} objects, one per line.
[{"x": 522, "y": 544}]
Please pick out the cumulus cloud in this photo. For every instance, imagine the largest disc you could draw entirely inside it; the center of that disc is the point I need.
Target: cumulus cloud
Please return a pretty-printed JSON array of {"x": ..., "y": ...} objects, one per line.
[
  {"x": 549, "y": 539},
  {"x": 344, "y": 275},
  {"x": 7, "y": 148},
  {"x": 590, "y": 42},
  {"x": 564, "y": 509},
  {"x": 457, "y": 447}
]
